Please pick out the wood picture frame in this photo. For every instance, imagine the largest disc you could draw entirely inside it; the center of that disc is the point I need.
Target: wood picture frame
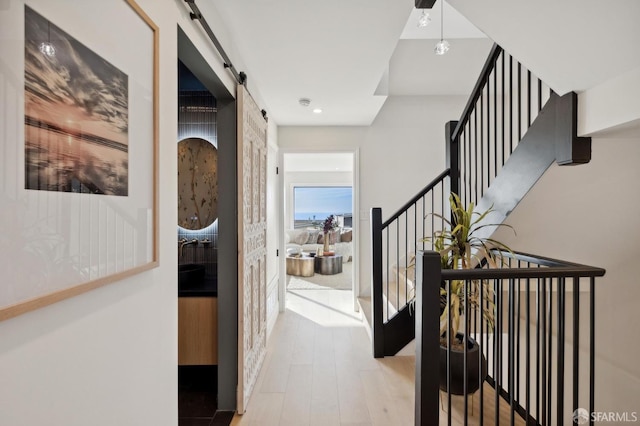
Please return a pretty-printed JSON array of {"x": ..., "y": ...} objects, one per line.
[{"x": 72, "y": 217}]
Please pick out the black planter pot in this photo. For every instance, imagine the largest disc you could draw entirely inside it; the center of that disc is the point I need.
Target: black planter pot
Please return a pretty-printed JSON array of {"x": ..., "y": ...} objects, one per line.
[{"x": 457, "y": 368}]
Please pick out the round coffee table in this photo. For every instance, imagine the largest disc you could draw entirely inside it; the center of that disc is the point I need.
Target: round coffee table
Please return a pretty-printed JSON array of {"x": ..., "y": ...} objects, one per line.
[
  {"x": 300, "y": 266},
  {"x": 328, "y": 265}
]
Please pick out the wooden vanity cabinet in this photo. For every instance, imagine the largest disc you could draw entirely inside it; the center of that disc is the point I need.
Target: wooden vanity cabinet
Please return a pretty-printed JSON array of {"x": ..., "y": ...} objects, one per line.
[{"x": 197, "y": 331}]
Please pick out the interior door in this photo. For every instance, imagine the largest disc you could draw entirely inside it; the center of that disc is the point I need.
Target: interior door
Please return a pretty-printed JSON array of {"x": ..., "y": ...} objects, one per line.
[{"x": 252, "y": 244}]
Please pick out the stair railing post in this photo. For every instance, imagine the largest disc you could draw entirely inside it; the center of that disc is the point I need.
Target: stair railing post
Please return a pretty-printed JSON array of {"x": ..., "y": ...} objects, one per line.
[
  {"x": 376, "y": 282},
  {"x": 427, "y": 312},
  {"x": 453, "y": 155}
]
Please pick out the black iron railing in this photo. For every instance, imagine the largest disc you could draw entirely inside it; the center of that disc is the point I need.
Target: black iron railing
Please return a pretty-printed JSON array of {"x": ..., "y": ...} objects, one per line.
[
  {"x": 505, "y": 101},
  {"x": 529, "y": 324},
  {"x": 497, "y": 115},
  {"x": 394, "y": 244}
]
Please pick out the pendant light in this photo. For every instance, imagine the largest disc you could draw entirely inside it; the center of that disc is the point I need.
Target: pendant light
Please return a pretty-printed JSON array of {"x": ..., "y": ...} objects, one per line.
[
  {"x": 442, "y": 46},
  {"x": 424, "y": 19}
]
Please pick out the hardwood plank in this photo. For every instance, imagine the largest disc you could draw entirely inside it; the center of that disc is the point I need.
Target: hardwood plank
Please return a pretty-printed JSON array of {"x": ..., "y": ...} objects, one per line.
[
  {"x": 320, "y": 371},
  {"x": 297, "y": 399}
]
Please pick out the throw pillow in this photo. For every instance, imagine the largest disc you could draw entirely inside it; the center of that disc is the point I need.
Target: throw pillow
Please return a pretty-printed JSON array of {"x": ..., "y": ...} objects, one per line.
[
  {"x": 301, "y": 238},
  {"x": 346, "y": 237},
  {"x": 334, "y": 236},
  {"x": 313, "y": 236}
]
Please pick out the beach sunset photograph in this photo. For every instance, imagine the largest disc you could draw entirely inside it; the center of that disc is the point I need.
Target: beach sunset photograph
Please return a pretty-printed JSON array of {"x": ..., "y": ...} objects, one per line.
[{"x": 76, "y": 114}]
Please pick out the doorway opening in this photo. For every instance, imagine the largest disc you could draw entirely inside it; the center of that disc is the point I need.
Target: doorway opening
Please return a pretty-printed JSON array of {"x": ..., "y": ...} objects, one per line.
[
  {"x": 319, "y": 230},
  {"x": 207, "y": 241}
]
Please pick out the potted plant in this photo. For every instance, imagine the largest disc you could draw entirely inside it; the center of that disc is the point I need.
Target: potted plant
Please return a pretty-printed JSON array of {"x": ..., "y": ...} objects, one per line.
[{"x": 461, "y": 248}]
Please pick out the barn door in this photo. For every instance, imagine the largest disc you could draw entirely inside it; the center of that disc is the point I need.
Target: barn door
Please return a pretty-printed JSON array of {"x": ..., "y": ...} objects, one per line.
[{"x": 252, "y": 244}]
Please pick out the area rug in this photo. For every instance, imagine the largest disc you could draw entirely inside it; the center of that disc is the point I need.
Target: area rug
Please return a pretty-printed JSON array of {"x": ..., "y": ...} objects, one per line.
[{"x": 341, "y": 281}]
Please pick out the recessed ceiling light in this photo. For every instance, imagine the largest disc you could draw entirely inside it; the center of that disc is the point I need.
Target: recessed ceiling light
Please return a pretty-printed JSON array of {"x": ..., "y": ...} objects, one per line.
[{"x": 317, "y": 110}]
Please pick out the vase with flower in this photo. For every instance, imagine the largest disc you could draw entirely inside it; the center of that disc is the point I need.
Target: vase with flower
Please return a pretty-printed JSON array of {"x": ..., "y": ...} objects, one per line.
[{"x": 330, "y": 223}]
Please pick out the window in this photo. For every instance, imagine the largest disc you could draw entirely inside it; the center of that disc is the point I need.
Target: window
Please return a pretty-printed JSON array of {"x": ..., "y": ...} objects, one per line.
[{"x": 312, "y": 205}]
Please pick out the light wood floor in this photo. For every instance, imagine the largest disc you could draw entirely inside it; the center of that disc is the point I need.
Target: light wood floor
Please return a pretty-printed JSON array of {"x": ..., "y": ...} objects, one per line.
[{"x": 319, "y": 370}]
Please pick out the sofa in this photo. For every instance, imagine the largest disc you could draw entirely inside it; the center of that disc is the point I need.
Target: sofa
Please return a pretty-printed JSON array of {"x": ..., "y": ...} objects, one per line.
[{"x": 309, "y": 240}]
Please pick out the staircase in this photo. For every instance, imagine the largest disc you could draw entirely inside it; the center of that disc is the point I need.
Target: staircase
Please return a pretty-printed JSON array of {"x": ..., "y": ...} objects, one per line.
[{"x": 511, "y": 130}]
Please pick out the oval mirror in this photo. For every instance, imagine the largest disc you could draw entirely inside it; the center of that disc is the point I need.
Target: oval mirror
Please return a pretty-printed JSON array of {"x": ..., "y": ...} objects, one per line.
[{"x": 197, "y": 183}]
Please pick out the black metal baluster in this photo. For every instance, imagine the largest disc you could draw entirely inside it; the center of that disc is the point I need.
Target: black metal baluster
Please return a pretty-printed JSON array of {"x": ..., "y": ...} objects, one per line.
[
  {"x": 503, "y": 112},
  {"x": 397, "y": 262},
  {"x": 560, "y": 360},
  {"x": 497, "y": 353},
  {"x": 475, "y": 153},
  {"x": 449, "y": 338},
  {"x": 576, "y": 342},
  {"x": 519, "y": 101},
  {"x": 423, "y": 218},
  {"x": 489, "y": 140},
  {"x": 544, "y": 352},
  {"x": 481, "y": 336},
  {"x": 510, "y": 362},
  {"x": 495, "y": 124},
  {"x": 481, "y": 146},
  {"x": 406, "y": 259},
  {"x": 549, "y": 353},
  {"x": 468, "y": 183},
  {"x": 517, "y": 315},
  {"x": 510, "y": 104},
  {"x": 539, "y": 95},
  {"x": 388, "y": 277},
  {"x": 465, "y": 339},
  {"x": 592, "y": 347},
  {"x": 528, "y": 350},
  {"x": 463, "y": 171},
  {"x": 433, "y": 218},
  {"x": 538, "y": 319}
]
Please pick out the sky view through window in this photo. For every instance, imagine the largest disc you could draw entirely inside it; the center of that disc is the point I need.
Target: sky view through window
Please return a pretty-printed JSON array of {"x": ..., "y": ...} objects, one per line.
[{"x": 318, "y": 202}]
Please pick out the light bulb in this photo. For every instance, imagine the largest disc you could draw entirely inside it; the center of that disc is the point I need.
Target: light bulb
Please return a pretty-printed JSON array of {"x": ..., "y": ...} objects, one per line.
[
  {"x": 442, "y": 47},
  {"x": 424, "y": 20},
  {"x": 47, "y": 49}
]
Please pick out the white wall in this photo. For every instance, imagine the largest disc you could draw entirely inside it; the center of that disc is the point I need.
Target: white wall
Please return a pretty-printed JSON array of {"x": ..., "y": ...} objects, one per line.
[
  {"x": 589, "y": 214},
  {"x": 109, "y": 357},
  {"x": 273, "y": 238},
  {"x": 612, "y": 104},
  {"x": 399, "y": 154}
]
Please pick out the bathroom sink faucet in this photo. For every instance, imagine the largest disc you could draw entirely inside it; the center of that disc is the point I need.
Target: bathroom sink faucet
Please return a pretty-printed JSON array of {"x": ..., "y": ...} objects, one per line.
[{"x": 184, "y": 242}]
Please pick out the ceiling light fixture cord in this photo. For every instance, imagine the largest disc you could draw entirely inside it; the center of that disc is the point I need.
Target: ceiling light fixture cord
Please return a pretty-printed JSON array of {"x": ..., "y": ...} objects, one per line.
[{"x": 441, "y": 20}]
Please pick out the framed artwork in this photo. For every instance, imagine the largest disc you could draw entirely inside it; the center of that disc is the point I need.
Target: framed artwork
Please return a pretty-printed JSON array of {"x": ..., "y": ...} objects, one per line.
[{"x": 79, "y": 186}]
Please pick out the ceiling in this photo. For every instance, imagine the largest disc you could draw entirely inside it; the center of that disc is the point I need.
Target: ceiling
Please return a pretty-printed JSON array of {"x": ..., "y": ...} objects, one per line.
[
  {"x": 347, "y": 57},
  {"x": 572, "y": 45}
]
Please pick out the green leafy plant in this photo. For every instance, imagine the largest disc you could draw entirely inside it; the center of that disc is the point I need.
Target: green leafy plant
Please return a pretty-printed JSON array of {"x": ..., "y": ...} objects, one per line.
[{"x": 461, "y": 248}]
